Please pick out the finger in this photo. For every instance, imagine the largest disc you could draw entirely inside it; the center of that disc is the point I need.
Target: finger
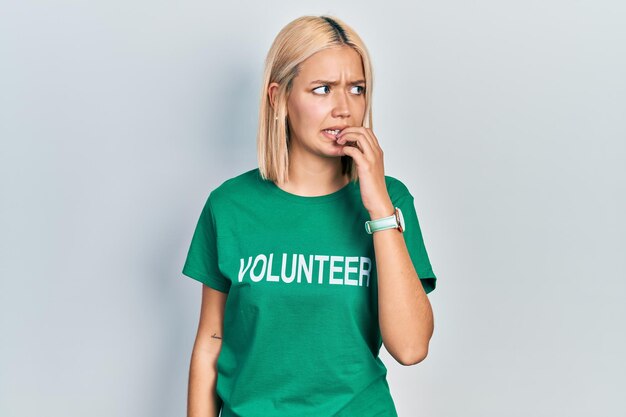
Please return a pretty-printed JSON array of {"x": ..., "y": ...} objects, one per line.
[
  {"x": 355, "y": 154},
  {"x": 358, "y": 137},
  {"x": 373, "y": 139}
]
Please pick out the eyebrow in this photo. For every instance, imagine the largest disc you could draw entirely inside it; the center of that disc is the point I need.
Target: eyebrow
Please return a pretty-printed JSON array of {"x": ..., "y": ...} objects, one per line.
[{"x": 336, "y": 82}]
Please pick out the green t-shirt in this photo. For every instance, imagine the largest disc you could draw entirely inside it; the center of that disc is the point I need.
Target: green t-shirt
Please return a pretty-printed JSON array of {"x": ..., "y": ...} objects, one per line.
[{"x": 301, "y": 335}]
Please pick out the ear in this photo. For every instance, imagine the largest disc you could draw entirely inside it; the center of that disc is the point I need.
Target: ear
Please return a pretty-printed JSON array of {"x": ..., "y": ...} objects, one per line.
[{"x": 271, "y": 91}]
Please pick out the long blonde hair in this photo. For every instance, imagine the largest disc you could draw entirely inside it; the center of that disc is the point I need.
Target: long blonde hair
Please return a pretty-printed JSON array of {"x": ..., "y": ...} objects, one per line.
[{"x": 296, "y": 42}]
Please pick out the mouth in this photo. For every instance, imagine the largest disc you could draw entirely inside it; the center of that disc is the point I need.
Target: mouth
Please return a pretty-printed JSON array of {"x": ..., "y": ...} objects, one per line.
[{"x": 333, "y": 131}]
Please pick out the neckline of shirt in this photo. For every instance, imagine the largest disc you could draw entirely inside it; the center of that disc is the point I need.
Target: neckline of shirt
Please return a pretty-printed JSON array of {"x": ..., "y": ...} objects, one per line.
[{"x": 318, "y": 199}]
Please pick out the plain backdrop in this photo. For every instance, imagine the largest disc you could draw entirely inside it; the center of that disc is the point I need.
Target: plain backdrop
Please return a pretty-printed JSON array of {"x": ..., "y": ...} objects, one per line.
[{"x": 505, "y": 120}]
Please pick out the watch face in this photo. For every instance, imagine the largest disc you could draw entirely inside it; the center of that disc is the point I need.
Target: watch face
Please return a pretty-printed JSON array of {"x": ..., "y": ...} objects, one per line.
[{"x": 400, "y": 219}]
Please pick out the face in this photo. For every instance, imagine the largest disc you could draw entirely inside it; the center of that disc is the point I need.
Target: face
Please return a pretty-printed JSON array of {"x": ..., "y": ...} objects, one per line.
[{"x": 328, "y": 93}]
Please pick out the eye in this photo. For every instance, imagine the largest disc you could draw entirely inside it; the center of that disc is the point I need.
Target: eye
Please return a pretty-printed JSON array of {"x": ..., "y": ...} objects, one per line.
[
  {"x": 360, "y": 92},
  {"x": 323, "y": 86}
]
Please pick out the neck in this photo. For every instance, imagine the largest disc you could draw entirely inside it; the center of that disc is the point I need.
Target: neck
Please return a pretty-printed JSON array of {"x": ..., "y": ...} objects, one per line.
[{"x": 313, "y": 176}]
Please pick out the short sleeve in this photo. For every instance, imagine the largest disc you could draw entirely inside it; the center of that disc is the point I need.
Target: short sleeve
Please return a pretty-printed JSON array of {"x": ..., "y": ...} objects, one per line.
[
  {"x": 415, "y": 243},
  {"x": 202, "y": 262}
]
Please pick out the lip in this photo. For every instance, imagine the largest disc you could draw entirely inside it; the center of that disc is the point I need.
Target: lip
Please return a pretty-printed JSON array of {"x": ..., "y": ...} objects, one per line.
[
  {"x": 340, "y": 128},
  {"x": 329, "y": 136},
  {"x": 333, "y": 137}
]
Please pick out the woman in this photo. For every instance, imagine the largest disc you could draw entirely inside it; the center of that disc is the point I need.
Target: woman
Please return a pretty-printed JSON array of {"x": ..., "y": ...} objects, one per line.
[{"x": 300, "y": 290}]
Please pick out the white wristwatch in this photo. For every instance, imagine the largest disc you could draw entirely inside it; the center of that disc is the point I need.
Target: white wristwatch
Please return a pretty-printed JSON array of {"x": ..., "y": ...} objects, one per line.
[{"x": 395, "y": 221}]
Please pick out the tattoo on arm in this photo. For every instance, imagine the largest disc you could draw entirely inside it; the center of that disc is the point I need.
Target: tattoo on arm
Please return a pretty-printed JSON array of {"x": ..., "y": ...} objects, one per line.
[{"x": 215, "y": 336}]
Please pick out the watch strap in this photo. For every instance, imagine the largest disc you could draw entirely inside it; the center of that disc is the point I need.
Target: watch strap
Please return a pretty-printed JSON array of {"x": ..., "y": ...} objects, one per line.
[{"x": 389, "y": 222}]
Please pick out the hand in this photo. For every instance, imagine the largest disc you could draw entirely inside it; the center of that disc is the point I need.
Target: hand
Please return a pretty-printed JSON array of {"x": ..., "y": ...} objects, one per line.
[{"x": 361, "y": 145}]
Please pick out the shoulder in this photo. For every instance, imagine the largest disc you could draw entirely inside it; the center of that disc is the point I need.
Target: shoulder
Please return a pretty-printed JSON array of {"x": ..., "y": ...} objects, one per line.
[
  {"x": 243, "y": 186},
  {"x": 396, "y": 188}
]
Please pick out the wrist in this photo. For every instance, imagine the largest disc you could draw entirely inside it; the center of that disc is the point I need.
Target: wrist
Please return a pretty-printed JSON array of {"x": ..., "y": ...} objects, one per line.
[{"x": 385, "y": 210}]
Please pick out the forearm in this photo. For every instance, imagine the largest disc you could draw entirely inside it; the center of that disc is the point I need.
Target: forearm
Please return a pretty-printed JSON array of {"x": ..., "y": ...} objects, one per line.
[
  {"x": 405, "y": 313},
  {"x": 202, "y": 400}
]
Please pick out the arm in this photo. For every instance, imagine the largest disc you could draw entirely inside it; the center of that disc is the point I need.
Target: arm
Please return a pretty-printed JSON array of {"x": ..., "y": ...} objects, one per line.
[
  {"x": 405, "y": 313},
  {"x": 202, "y": 398}
]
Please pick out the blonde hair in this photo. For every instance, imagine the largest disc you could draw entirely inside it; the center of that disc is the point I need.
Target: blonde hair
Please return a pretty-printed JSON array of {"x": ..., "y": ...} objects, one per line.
[{"x": 296, "y": 42}]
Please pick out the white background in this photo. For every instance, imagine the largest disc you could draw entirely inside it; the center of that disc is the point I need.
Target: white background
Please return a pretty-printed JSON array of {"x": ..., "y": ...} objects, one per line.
[{"x": 505, "y": 120}]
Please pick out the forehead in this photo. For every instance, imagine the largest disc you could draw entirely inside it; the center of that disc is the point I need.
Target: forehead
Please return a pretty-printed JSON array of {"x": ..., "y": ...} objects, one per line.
[{"x": 332, "y": 64}]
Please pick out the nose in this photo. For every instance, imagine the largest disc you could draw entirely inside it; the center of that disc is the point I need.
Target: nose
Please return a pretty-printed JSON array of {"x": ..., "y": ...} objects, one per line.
[{"x": 341, "y": 107}]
